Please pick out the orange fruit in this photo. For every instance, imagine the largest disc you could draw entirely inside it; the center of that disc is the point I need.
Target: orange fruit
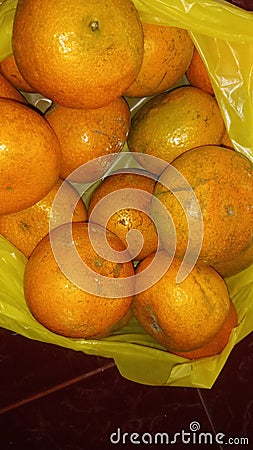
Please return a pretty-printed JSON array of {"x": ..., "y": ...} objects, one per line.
[
  {"x": 182, "y": 316},
  {"x": 10, "y": 71},
  {"x": 167, "y": 55},
  {"x": 29, "y": 156},
  {"x": 222, "y": 182},
  {"x": 8, "y": 91},
  {"x": 176, "y": 121},
  {"x": 85, "y": 55},
  {"x": 60, "y": 305},
  {"x": 226, "y": 141},
  {"x": 198, "y": 75},
  {"x": 129, "y": 218},
  {"x": 87, "y": 134},
  {"x": 236, "y": 264},
  {"x": 219, "y": 341},
  {"x": 26, "y": 228}
]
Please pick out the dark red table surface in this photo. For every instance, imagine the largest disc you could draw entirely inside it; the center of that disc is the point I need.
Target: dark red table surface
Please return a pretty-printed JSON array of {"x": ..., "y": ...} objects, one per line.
[
  {"x": 245, "y": 4},
  {"x": 52, "y": 398}
]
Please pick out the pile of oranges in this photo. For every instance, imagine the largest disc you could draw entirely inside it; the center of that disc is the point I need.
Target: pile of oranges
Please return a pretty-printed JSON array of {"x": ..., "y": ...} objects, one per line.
[{"x": 92, "y": 61}]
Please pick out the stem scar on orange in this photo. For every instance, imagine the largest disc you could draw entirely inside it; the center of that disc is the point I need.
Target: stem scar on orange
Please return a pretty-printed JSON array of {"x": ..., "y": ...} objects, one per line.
[
  {"x": 84, "y": 57},
  {"x": 123, "y": 220}
]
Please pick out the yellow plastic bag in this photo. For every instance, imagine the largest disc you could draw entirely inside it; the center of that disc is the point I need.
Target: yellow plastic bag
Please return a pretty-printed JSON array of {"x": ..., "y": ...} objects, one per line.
[{"x": 223, "y": 35}]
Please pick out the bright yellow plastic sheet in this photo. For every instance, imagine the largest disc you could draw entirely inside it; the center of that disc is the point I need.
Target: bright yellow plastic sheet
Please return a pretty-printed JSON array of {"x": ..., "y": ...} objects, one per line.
[
  {"x": 223, "y": 35},
  {"x": 136, "y": 355},
  {"x": 7, "y": 12}
]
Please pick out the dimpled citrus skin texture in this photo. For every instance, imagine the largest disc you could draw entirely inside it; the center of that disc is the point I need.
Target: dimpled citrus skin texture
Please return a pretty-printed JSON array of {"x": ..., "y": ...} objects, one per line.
[
  {"x": 176, "y": 121},
  {"x": 84, "y": 57},
  {"x": 9, "y": 69},
  {"x": 182, "y": 316},
  {"x": 26, "y": 228},
  {"x": 29, "y": 156},
  {"x": 8, "y": 91},
  {"x": 61, "y": 306},
  {"x": 167, "y": 55},
  {"x": 236, "y": 264},
  {"x": 226, "y": 141},
  {"x": 197, "y": 74},
  {"x": 222, "y": 180},
  {"x": 88, "y": 134},
  {"x": 124, "y": 220},
  {"x": 219, "y": 341}
]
